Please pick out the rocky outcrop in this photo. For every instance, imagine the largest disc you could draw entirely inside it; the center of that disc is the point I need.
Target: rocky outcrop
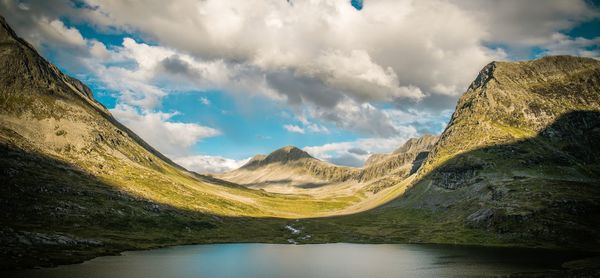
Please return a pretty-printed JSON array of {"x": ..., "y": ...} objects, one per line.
[
  {"x": 413, "y": 146},
  {"x": 409, "y": 157}
]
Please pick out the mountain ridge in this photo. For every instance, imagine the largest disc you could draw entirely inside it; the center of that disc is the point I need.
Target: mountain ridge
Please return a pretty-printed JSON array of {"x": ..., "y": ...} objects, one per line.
[{"x": 291, "y": 167}]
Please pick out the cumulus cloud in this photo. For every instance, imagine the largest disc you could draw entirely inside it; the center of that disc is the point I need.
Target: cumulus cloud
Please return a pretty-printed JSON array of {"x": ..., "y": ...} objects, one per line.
[
  {"x": 294, "y": 128},
  {"x": 305, "y": 126},
  {"x": 170, "y": 137},
  {"x": 561, "y": 44},
  {"x": 58, "y": 32},
  {"x": 209, "y": 164}
]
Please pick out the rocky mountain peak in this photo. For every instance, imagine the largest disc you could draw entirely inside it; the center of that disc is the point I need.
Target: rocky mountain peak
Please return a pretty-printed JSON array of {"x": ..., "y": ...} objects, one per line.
[
  {"x": 424, "y": 142},
  {"x": 285, "y": 154},
  {"x": 20, "y": 60},
  {"x": 484, "y": 76},
  {"x": 282, "y": 155},
  {"x": 7, "y": 33}
]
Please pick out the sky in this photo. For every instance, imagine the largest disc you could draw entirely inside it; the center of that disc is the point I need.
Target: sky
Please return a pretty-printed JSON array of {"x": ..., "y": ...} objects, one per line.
[{"x": 211, "y": 83}]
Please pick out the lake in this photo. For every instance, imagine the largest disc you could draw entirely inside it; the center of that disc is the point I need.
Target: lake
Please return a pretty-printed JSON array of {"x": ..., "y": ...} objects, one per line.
[{"x": 318, "y": 260}]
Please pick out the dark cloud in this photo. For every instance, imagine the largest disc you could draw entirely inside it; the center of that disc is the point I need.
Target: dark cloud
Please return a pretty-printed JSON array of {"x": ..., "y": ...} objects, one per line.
[
  {"x": 300, "y": 89},
  {"x": 430, "y": 103},
  {"x": 175, "y": 65},
  {"x": 358, "y": 151},
  {"x": 347, "y": 160}
]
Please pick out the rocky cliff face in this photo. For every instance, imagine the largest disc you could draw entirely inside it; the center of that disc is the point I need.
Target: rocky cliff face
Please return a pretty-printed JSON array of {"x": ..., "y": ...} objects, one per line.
[
  {"x": 410, "y": 156},
  {"x": 385, "y": 170},
  {"x": 413, "y": 146}
]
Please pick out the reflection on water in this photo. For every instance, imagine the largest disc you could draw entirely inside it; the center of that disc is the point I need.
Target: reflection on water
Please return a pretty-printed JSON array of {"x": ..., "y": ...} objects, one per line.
[{"x": 320, "y": 260}]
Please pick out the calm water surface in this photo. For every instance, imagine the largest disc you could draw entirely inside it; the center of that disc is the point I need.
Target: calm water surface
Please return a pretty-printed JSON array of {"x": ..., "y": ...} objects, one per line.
[{"x": 321, "y": 260}]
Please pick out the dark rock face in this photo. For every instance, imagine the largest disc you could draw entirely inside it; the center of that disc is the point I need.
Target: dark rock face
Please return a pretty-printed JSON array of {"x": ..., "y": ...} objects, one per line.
[
  {"x": 418, "y": 161},
  {"x": 484, "y": 76},
  {"x": 480, "y": 218},
  {"x": 401, "y": 163},
  {"x": 576, "y": 135}
]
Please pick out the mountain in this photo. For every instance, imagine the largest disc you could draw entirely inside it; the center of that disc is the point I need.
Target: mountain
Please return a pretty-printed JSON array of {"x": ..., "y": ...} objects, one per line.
[
  {"x": 386, "y": 170},
  {"x": 518, "y": 157},
  {"x": 284, "y": 155},
  {"x": 290, "y": 170},
  {"x": 47, "y": 113},
  {"x": 508, "y": 102},
  {"x": 412, "y": 146},
  {"x": 518, "y": 164}
]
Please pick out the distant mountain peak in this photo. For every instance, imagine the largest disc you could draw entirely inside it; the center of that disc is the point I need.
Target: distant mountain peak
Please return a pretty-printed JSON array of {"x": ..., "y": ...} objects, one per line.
[
  {"x": 420, "y": 143},
  {"x": 291, "y": 151},
  {"x": 281, "y": 155}
]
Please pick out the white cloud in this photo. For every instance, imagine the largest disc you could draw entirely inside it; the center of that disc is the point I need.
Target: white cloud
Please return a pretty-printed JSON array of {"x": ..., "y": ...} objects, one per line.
[
  {"x": 204, "y": 101},
  {"x": 171, "y": 138},
  {"x": 209, "y": 164},
  {"x": 316, "y": 128},
  {"x": 355, "y": 153},
  {"x": 60, "y": 32},
  {"x": 23, "y": 6},
  {"x": 98, "y": 50},
  {"x": 561, "y": 44},
  {"x": 363, "y": 118},
  {"x": 294, "y": 129}
]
